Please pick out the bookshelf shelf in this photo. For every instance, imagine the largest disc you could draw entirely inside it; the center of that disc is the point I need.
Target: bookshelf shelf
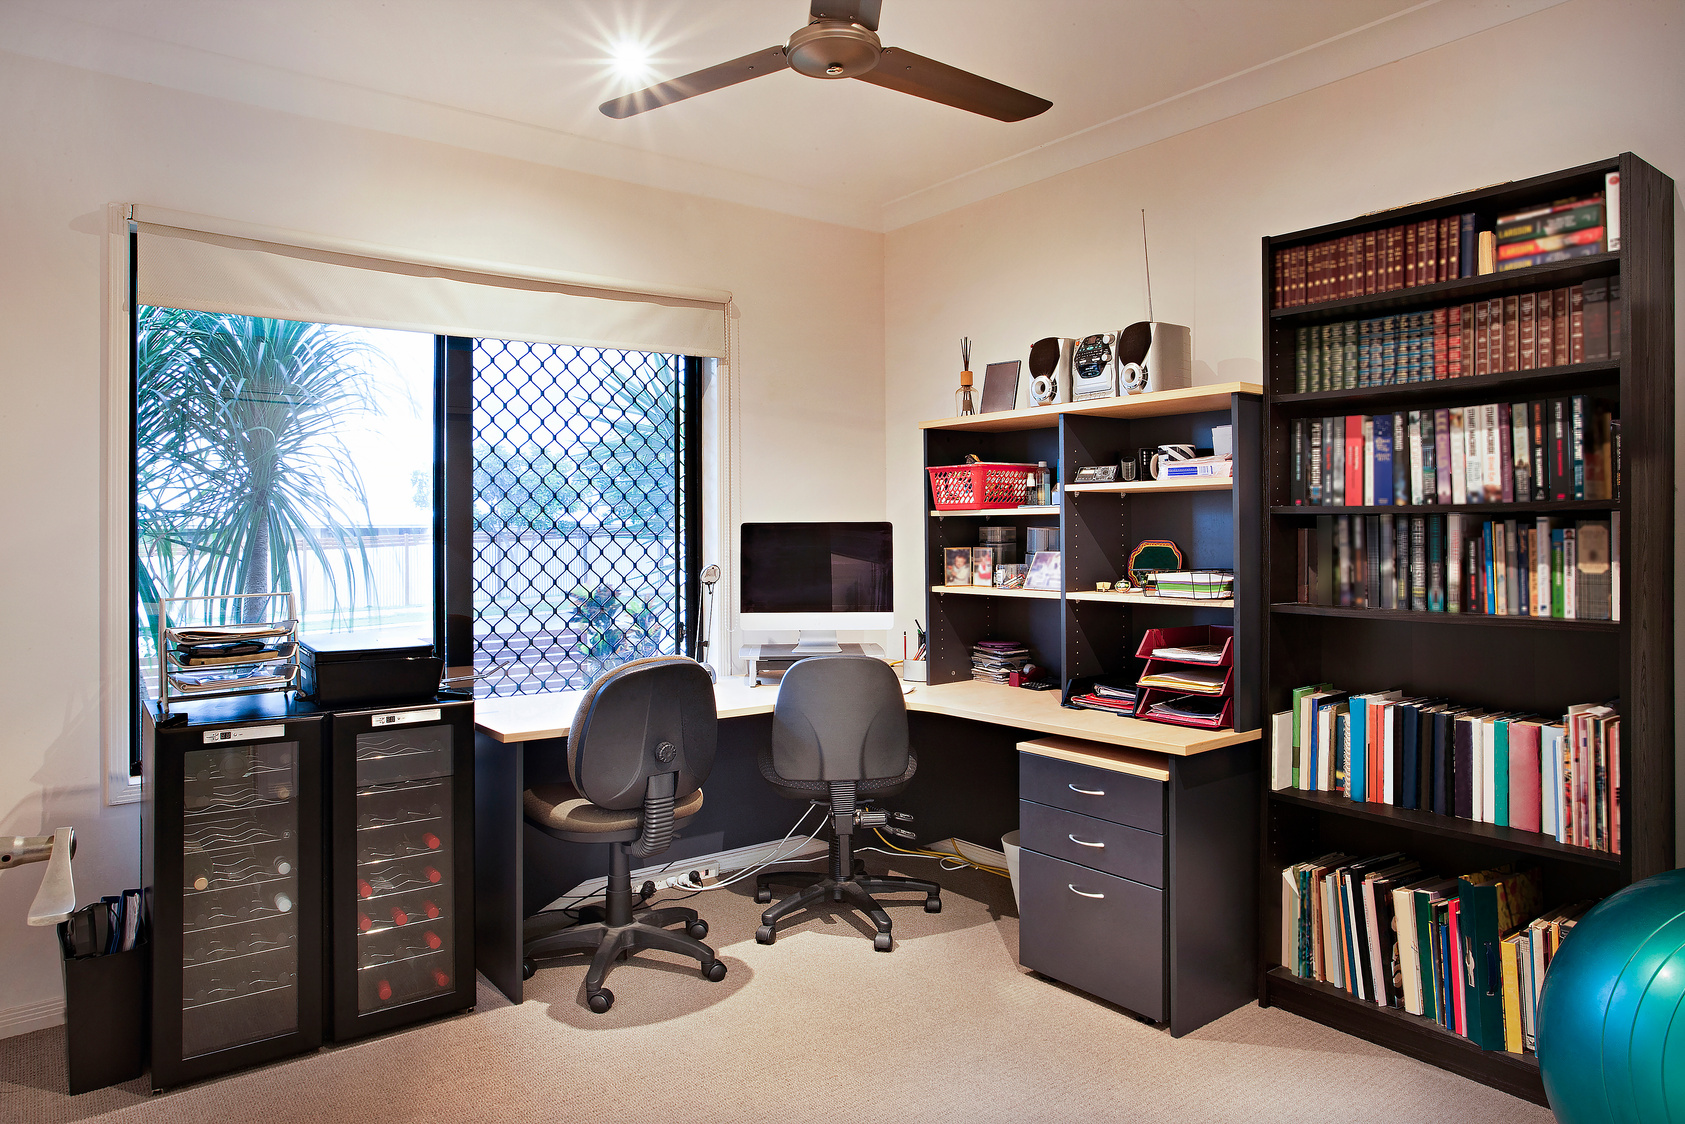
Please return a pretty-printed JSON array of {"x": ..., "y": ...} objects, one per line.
[
  {"x": 1467, "y": 389},
  {"x": 1148, "y": 487},
  {"x": 1482, "y": 287},
  {"x": 1447, "y": 827},
  {"x": 988, "y": 591},
  {"x": 1148, "y": 599},
  {"x": 995, "y": 512},
  {"x": 1495, "y": 510},
  {"x": 1420, "y": 1037},
  {"x": 1411, "y": 616},
  {"x": 1163, "y": 403},
  {"x": 1504, "y": 663}
]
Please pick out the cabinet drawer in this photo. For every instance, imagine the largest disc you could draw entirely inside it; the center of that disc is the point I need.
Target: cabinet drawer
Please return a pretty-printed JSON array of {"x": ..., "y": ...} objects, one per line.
[
  {"x": 1094, "y": 931},
  {"x": 1113, "y": 848},
  {"x": 1120, "y": 797}
]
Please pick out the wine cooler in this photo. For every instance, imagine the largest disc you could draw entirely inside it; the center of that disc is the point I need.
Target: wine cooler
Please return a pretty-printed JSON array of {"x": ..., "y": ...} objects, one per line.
[
  {"x": 402, "y": 865},
  {"x": 232, "y": 855},
  {"x": 310, "y": 876}
]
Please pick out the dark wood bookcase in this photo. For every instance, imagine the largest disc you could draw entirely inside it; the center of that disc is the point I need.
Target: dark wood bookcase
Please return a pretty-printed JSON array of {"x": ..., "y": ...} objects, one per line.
[{"x": 1516, "y": 663}]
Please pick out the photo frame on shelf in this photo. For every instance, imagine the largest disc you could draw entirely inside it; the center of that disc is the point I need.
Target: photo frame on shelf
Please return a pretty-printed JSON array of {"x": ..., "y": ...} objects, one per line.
[
  {"x": 983, "y": 565},
  {"x": 1000, "y": 386},
  {"x": 1044, "y": 572},
  {"x": 956, "y": 565}
]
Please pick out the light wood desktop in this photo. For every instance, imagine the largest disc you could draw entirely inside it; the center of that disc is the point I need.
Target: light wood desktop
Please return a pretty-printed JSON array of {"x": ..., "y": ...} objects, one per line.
[{"x": 530, "y": 717}]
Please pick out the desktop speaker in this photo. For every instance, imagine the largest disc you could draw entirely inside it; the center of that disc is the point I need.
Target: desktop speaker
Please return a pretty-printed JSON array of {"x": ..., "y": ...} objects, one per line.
[
  {"x": 1050, "y": 370},
  {"x": 1153, "y": 356}
]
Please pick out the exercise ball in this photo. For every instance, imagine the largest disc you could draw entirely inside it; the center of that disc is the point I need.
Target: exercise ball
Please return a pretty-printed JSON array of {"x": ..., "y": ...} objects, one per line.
[{"x": 1611, "y": 1020}]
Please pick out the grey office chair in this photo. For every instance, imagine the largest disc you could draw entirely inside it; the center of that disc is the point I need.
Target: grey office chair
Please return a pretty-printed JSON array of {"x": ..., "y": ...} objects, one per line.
[
  {"x": 839, "y": 734},
  {"x": 641, "y": 744}
]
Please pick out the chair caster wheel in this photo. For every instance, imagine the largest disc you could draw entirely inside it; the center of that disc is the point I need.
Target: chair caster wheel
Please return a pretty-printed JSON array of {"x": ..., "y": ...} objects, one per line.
[
  {"x": 762, "y": 895},
  {"x": 933, "y": 905},
  {"x": 697, "y": 929},
  {"x": 528, "y": 969},
  {"x": 713, "y": 970},
  {"x": 600, "y": 1001},
  {"x": 764, "y": 934},
  {"x": 883, "y": 942}
]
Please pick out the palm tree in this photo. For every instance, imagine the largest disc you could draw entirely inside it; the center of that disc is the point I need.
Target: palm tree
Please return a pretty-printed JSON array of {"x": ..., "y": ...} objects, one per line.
[{"x": 239, "y": 452}]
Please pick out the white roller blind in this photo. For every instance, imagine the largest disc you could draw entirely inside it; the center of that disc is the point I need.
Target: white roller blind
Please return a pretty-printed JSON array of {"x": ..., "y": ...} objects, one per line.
[{"x": 214, "y": 265}]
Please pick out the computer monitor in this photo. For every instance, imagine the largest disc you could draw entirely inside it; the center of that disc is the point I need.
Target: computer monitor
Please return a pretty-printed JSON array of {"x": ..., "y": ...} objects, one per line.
[{"x": 816, "y": 578}]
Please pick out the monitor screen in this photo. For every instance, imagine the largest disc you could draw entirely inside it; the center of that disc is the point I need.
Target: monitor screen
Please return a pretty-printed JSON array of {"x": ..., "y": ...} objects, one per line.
[{"x": 816, "y": 568}]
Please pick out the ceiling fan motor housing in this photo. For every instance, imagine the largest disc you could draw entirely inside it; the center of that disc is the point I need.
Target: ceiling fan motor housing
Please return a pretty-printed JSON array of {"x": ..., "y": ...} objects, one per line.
[{"x": 833, "y": 49}]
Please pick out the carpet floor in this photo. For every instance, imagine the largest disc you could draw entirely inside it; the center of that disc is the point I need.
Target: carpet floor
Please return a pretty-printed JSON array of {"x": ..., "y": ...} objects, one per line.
[{"x": 817, "y": 1027}]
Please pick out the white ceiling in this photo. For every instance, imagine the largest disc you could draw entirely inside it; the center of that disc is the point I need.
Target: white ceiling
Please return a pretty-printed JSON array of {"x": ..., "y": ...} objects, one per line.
[{"x": 523, "y": 78}]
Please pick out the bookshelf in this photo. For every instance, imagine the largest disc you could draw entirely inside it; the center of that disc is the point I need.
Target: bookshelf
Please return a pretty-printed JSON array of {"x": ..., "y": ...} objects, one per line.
[
  {"x": 1525, "y": 664},
  {"x": 1082, "y": 631}
]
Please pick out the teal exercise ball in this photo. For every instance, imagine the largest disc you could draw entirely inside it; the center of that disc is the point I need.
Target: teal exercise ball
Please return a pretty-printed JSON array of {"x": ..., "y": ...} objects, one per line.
[{"x": 1611, "y": 1019}]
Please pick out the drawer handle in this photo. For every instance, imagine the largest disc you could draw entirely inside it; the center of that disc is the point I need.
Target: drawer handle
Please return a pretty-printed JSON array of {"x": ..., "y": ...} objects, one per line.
[
  {"x": 1083, "y": 842},
  {"x": 1082, "y": 893},
  {"x": 1087, "y": 791}
]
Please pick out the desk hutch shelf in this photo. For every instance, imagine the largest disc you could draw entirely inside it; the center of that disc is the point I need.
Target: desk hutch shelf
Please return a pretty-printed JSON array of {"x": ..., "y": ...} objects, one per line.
[{"x": 1518, "y": 664}]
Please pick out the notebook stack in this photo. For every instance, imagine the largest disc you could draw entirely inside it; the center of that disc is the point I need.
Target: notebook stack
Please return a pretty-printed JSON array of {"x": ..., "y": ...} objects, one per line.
[
  {"x": 1111, "y": 698},
  {"x": 994, "y": 661}
]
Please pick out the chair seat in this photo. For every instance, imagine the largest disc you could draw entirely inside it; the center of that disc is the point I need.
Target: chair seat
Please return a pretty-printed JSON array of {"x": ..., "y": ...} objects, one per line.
[{"x": 560, "y": 807}]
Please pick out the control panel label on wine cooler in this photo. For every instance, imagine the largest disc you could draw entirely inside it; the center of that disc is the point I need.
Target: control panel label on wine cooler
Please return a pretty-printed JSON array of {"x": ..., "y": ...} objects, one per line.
[
  {"x": 404, "y": 717},
  {"x": 244, "y": 734}
]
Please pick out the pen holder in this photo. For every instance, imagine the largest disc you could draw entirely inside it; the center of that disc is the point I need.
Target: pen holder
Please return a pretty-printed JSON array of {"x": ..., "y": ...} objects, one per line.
[
  {"x": 105, "y": 1005},
  {"x": 913, "y": 671}
]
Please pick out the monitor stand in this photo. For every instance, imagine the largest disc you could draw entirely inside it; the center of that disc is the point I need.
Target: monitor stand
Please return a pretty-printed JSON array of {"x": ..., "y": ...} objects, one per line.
[{"x": 817, "y": 642}]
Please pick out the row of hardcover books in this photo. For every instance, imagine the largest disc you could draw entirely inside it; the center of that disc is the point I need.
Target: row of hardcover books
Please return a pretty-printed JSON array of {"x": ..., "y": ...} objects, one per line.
[
  {"x": 1461, "y": 564},
  {"x": 1387, "y": 931},
  {"x": 1558, "y": 778},
  {"x": 1500, "y": 452},
  {"x": 1429, "y": 251},
  {"x": 1523, "y": 332}
]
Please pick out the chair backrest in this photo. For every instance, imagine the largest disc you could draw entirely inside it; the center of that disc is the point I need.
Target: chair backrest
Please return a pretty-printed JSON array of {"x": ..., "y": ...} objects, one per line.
[
  {"x": 645, "y": 718},
  {"x": 839, "y": 718}
]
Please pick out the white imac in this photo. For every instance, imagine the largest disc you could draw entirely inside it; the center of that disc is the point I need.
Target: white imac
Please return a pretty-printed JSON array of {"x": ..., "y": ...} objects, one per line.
[{"x": 815, "y": 578}]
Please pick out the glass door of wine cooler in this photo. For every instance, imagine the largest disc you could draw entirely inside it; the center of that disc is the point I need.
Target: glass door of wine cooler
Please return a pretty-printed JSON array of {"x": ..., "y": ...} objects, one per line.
[
  {"x": 403, "y": 866},
  {"x": 236, "y": 885}
]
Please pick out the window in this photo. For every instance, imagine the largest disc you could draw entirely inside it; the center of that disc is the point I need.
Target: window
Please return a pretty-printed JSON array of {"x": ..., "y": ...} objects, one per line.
[
  {"x": 276, "y": 456},
  {"x": 584, "y": 512}
]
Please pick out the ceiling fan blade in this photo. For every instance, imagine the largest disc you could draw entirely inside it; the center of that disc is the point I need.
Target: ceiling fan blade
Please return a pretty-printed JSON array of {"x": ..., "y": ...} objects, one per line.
[
  {"x": 769, "y": 61},
  {"x": 863, "y": 12},
  {"x": 937, "y": 81}
]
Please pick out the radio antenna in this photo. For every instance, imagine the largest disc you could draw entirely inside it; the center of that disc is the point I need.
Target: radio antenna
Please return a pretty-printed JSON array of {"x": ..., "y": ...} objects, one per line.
[{"x": 1148, "y": 262}]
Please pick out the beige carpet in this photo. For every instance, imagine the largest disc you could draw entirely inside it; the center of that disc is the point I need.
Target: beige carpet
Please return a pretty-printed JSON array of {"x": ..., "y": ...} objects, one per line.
[{"x": 817, "y": 1027}]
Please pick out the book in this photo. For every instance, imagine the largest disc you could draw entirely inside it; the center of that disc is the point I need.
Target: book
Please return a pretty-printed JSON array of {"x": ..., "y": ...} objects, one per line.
[
  {"x": 1491, "y": 905},
  {"x": 1595, "y": 330}
]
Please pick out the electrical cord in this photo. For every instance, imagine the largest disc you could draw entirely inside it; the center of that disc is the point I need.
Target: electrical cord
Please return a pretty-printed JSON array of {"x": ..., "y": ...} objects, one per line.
[
  {"x": 776, "y": 860},
  {"x": 952, "y": 856}
]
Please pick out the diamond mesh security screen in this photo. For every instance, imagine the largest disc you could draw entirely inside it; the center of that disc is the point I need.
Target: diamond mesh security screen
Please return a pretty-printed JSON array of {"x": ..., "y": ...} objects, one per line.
[{"x": 579, "y": 512}]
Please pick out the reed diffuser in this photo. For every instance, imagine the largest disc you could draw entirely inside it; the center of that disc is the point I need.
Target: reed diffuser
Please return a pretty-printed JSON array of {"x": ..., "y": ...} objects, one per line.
[{"x": 965, "y": 399}]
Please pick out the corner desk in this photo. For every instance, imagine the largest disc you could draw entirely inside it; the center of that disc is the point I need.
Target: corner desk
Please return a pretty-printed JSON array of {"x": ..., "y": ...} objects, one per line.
[{"x": 990, "y": 758}]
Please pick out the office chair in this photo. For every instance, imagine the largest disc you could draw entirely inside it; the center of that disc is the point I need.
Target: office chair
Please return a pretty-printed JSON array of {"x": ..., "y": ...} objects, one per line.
[
  {"x": 839, "y": 734},
  {"x": 641, "y": 744}
]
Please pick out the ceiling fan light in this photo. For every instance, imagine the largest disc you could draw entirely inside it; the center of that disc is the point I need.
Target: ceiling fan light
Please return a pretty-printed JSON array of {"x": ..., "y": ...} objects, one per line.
[{"x": 833, "y": 49}]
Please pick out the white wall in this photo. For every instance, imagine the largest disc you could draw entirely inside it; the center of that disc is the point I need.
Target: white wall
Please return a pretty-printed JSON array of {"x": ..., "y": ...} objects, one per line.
[
  {"x": 810, "y": 367},
  {"x": 1569, "y": 85}
]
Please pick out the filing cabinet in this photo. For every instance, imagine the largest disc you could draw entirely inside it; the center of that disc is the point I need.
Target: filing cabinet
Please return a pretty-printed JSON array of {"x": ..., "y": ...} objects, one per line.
[{"x": 1134, "y": 876}]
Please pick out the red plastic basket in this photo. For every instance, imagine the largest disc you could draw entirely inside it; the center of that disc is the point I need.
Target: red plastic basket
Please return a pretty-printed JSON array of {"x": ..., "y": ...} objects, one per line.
[{"x": 972, "y": 487}]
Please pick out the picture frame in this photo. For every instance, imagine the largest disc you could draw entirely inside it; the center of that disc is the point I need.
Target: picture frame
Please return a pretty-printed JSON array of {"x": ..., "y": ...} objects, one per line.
[
  {"x": 1044, "y": 572},
  {"x": 956, "y": 569},
  {"x": 1000, "y": 387},
  {"x": 983, "y": 565}
]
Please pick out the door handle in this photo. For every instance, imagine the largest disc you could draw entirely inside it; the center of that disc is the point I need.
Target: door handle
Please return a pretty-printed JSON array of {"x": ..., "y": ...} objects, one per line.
[
  {"x": 1087, "y": 791},
  {"x": 1082, "y": 893},
  {"x": 1083, "y": 842}
]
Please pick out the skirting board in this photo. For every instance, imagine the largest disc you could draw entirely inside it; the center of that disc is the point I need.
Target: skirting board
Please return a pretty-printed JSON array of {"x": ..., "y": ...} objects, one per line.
[
  {"x": 740, "y": 858},
  {"x": 30, "y": 1017}
]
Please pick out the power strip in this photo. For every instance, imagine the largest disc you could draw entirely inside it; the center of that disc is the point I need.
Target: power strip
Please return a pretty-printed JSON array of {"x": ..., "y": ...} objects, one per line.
[{"x": 675, "y": 873}]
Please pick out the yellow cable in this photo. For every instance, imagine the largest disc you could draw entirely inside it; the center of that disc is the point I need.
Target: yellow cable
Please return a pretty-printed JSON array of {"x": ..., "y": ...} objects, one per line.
[{"x": 940, "y": 855}]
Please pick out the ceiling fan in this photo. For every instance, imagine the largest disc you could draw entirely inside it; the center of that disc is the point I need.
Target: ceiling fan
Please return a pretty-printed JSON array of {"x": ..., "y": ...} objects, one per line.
[{"x": 841, "y": 41}]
